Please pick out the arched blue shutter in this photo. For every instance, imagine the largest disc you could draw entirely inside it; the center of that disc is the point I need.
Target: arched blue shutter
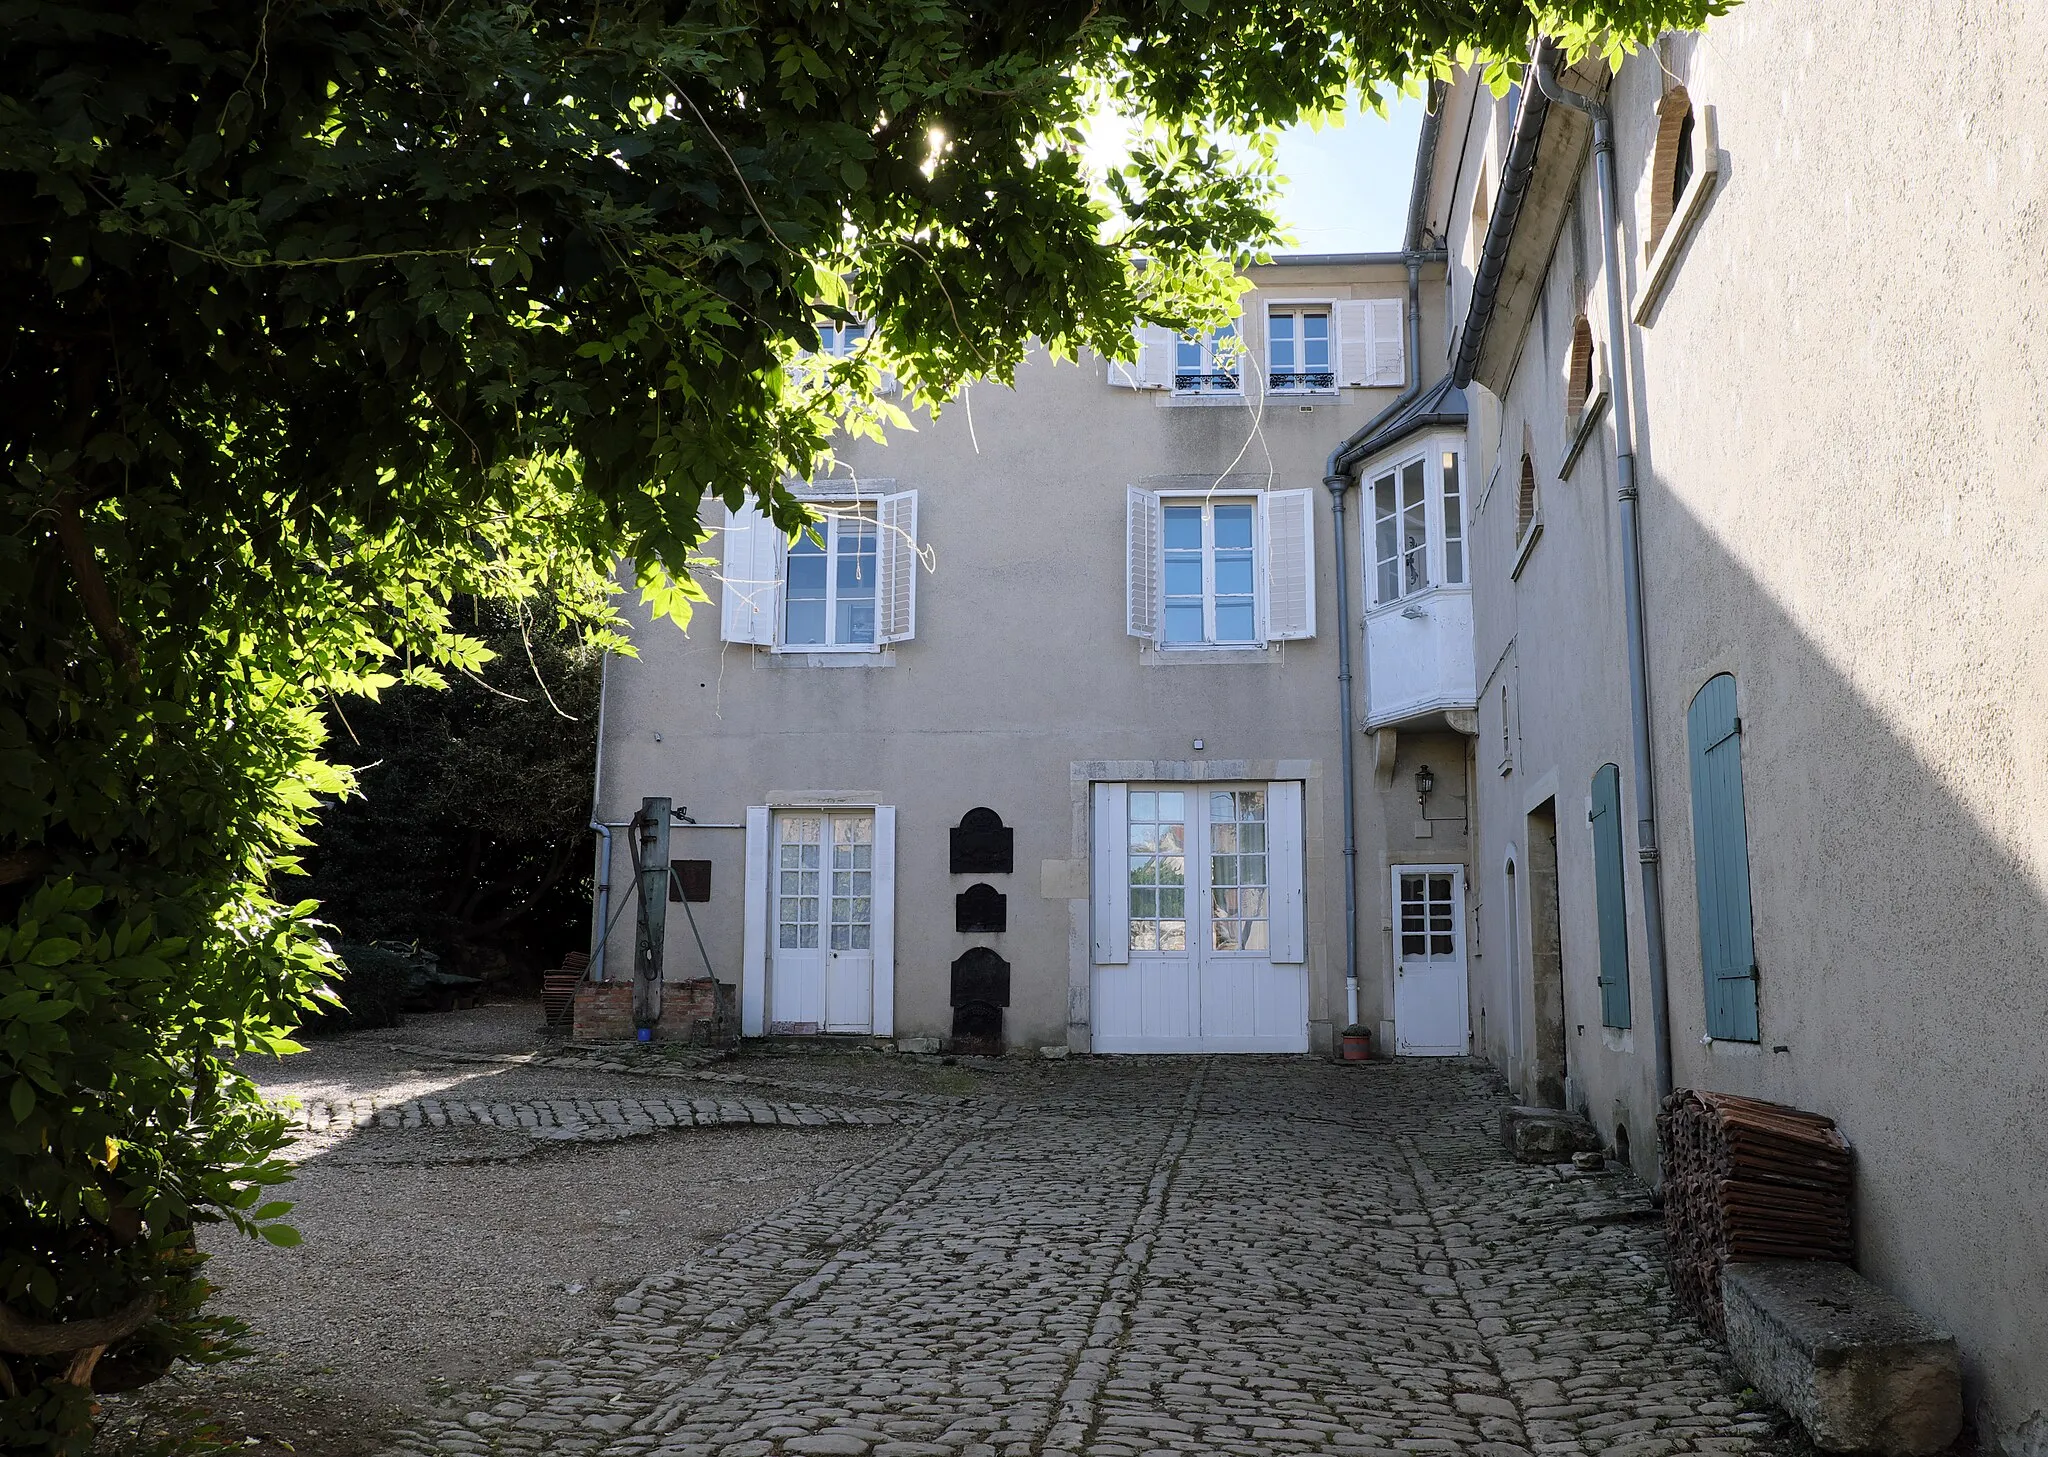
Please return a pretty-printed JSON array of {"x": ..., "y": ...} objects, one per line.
[
  {"x": 1720, "y": 844},
  {"x": 1609, "y": 896}
]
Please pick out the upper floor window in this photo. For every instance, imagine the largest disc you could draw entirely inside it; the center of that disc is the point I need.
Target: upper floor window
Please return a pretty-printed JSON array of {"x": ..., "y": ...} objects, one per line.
[
  {"x": 848, "y": 583},
  {"x": 829, "y": 591},
  {"x": 1418, "y": 527},
  {"x": 1208, "y": 363},
  {"x": 840, "y": 340},
  {"x": 1578, "y": 386},
  {"x": 1211, "y": 593},
  {"x": 1671, "y": 161},
  {"x": 1203, "y": 572},
  {"x": 1298, "y": 349}
]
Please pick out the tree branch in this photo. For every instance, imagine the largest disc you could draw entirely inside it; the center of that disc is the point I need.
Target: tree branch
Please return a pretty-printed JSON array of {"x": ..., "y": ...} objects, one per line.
[
  {"x": 19, "y": 865},
  {"x": 92, "y": 584},
  {"x": 21, "y": 1336}
]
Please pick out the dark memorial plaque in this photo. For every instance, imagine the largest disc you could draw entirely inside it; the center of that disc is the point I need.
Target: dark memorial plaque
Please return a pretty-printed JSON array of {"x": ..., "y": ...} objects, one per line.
[
  {"x": 983, "y": 844},
  {"x": 981, "y": 907}
]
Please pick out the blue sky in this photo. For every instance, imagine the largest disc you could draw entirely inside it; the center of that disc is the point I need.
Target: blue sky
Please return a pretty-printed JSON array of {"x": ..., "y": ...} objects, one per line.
[{"x": 1347, "y": 187}]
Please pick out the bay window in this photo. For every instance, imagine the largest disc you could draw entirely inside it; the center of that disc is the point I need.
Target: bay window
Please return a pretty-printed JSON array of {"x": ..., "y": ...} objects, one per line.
[{"x": 1418, "y": 527}]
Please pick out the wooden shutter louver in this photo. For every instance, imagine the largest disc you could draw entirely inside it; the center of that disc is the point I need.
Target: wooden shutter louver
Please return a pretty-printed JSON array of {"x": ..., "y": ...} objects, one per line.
[
  {"x": 1289, "y": 528},
  {"x": 1720, "y": 840},
  {"x": 1141, "y": 571},
  {"x": 896, "y": 568},
  {"x": 1610, "y": 897},
  {"x": 1109, "y": 902}
]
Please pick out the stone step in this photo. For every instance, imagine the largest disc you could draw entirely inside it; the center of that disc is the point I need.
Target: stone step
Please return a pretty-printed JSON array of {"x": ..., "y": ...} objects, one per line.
[
  {"x": 1546, "y": 1135},
  {"x": 1855, "y": 1367}
]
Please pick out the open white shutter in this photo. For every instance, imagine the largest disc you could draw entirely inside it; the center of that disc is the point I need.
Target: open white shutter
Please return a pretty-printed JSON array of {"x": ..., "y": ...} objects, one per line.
[
  {"x": 1389, "y": 351},
  {"x": 1109, "y": 904},
  {"x": 1141, "y": 569},
  {"x": 1251, "y": 334},
  {"x": 754, "y": 929},
  {"x": 1354, "y": 343},
  {"x": 1153, "y": 368},
  {"x": 896, "y": 568},
  {"x": 882, "y": 921},
  {"x": 1284, "y": 896},
  {"x": 750, "y": 573},
  {"x": 1288, "y": 521}
]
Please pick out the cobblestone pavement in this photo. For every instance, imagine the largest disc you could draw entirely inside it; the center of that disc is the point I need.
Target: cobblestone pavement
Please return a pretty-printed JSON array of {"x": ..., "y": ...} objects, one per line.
[{"x": 1253, "y": 1256}]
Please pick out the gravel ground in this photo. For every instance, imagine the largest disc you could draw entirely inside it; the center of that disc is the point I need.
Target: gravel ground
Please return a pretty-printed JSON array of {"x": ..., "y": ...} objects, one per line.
[{"x": 437, "y": 1257}]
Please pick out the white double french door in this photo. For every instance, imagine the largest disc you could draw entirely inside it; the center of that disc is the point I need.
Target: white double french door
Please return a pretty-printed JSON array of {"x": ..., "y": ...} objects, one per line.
[
  {"x": 1430, "y": 1013},
  {"x": 1198, "y": 927},
  {"x": 821, "y": 973}
]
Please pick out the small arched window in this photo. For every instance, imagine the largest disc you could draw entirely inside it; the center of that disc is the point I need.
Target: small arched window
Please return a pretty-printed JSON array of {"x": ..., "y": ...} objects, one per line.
[
  {"x": 1526, "y": 502},
  {"x": 1578, "y": 386},
  {"x": 1671, "y": 165}
]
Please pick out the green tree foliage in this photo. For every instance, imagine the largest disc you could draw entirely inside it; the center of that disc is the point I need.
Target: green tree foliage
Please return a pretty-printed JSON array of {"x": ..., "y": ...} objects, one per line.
[
  {"x": 316, "y": 313},
  {"x": 467, "y": 829}
]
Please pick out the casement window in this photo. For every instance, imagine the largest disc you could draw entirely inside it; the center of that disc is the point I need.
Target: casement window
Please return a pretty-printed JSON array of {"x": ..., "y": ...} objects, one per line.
[
  {"x": 1209, "y": 364},
  {"x": 1298, "y": 350},
  {"x": 1418, "y": 527},
  {"x": 840, "y": 340},
  {"x": 1213, "y": 573},
  {"x": 847, "y": 585}
]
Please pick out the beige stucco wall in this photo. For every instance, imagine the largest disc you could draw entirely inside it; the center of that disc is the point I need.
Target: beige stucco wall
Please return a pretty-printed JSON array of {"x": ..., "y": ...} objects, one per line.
[
  {"x": 1021, "y": 676},
  {"x": 1840, "y": 416}
]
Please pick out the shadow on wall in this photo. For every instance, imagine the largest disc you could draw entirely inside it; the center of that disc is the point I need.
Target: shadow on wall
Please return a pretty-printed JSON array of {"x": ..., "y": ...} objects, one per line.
[{"x": 1902, "y": 945}]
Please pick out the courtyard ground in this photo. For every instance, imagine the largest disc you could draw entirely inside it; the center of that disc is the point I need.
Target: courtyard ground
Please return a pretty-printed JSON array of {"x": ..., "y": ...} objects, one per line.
[{"x": 627, "y": 1252}]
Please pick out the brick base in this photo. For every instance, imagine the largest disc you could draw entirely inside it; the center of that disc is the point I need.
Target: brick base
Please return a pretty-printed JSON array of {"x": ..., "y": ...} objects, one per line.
[{"x": 704, "y": 1013}]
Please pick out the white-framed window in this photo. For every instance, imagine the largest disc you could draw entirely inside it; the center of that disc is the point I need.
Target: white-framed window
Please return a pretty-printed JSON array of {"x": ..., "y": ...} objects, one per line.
[
  {"x": 829, "y": 582},
  {"x": 1211, "y": 583},
  {"x": 1299, "y": 349},
  {"x": 840, "y": 340},
  {"x": 848, "y": 584},
  {"x": 1418, "y": 527},
  {"x": 1209, "y": 572},
  {"x": 1209, "y": 364}
]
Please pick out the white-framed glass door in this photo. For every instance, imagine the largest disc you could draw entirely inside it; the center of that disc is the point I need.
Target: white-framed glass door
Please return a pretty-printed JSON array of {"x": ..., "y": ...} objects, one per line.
[
  {"x": 821, "y": 974},
  {"x": 1430, "y": 1013},
  {"x": 1198, "y": 896}
]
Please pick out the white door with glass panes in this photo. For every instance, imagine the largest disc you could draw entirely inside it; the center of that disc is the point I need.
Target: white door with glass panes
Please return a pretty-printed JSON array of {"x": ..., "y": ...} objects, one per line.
[
  {"x": 1198, "y": 918},
  {"x": 821, "y": 973},
  {"x": 1430, "y": 1017}
]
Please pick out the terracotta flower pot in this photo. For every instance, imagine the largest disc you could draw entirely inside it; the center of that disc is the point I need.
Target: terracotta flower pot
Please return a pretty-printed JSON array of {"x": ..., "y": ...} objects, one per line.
[{"x": 1357, "y": 1046}]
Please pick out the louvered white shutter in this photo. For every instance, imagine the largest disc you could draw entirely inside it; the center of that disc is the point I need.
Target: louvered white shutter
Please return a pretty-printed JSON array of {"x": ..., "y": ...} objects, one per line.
[
  {"x": 1153, "y": 368},
  {"x": 1285, "y": 892},
  {"x": 1251, "y": 333},
  {"x": 896, "y": 568},
  {"x": 1354, "y": 343},
  {"x": 1109, "y": 904},
  {"x": 750, "y": 573},
  {"x": 1389, "y": 354},
  {"x": 1141, "y": 569},
  {"x": 1288, "y": 519},
  {"x": 882, "y": 926}
]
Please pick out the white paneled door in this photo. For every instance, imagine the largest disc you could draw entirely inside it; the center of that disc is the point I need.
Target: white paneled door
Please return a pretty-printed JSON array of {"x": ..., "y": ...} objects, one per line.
[
  {"x": 1198, "y": 919},
  {"x": 821, "y": 962},
  {"x": 1430, "y": 1017}
]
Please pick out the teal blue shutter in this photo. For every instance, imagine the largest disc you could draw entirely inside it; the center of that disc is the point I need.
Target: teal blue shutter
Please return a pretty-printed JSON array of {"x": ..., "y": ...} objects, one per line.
[
  {"x": 1608, "y": 896},
  {"x": 1720, "y": 844}
]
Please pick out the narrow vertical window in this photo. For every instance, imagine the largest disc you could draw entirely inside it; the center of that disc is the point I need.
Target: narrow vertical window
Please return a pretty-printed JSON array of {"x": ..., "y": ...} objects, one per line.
[
  {"x": 1158, "y": 870},
  {"x": 1386, "y": 539},
  {"x": 1298, "y": 350},
  {"x": 1210, "y": 573},
  {"x": 1207, "y": 363},
  {"x": 1414, "y": 530},
  {"x": 829, "y": 593},
  {"x": 1454, "y": 523}
]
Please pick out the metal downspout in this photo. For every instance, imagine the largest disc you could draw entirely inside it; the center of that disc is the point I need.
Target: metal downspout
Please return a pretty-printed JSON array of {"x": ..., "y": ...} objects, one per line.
[
  {"x": 601, "y": 925},
  {"x": 1544, "y": 67},
  {"x": 1337, "y": 476}
]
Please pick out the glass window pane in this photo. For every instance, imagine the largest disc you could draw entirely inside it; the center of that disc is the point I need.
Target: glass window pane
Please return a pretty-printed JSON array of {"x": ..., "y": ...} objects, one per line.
[
  {"x": 1251, "y": 870},
  {"x": 804, "y": 622},
  {"x": 1144, "y": 836},
  {"x": 1144, "y": 870},
  {"x": 1184, "y": 624},
  {"x": 1233, "y": 575},
  {"x": 1144, "y": 805},
  {"x": 1173, "y": 935},
  {"x": 1173, "y": 806},
  {"x": 1255, "y": 935},
  {"x": 1223, "y": 838},
  {"x": 1233, "y": 527},
  {"x": 1183, "y": 528},
  {"x": 1144, "y": 902},
  {"x": 1439, "y": 946},
  {"x": 1251, "y": 804},
  {"x": 1187, "y": 355},
  {"x": 1144, "y": 935},
  {"x": 1315, "y": 349},
  {"x": 1252, "y": 838},
  {"x": 1172, "y": 839},
  {"x": 1222, "y": 870},
  {"x": 1183, "y": 576},
  {"x": 1173, "y": 902},
  {"x": 1234, "y": 622}
]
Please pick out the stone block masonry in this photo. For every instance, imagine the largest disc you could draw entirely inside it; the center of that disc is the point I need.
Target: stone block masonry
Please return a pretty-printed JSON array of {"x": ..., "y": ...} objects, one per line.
[{"x": 1859, "y": 1371}]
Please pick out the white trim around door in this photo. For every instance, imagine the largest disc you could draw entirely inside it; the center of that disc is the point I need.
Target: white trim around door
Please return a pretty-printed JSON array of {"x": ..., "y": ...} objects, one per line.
[{"x": 819, "y": 936}]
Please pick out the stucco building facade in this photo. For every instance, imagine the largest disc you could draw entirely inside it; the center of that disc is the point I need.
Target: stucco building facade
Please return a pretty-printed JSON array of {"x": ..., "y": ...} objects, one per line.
[
  {"x": 1039, "y": 743},
  {"x": 1828, "y": 373}
]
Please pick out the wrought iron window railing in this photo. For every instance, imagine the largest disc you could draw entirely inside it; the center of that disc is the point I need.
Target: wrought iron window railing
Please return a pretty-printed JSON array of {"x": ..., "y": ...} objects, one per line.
[
  {"x": 1296, "y": 380},
  {"x": 1206, "y": 382}
]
